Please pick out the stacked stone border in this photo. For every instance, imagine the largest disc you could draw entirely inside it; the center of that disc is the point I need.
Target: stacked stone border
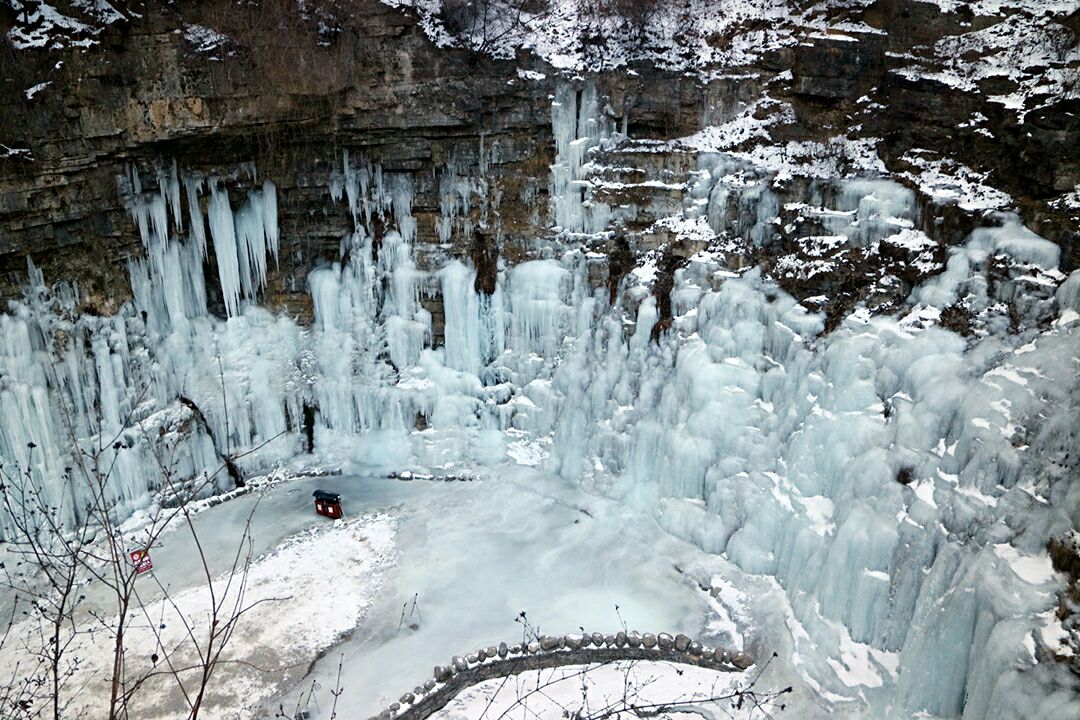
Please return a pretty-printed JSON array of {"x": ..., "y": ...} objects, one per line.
[{"x": 550, "y": 652}]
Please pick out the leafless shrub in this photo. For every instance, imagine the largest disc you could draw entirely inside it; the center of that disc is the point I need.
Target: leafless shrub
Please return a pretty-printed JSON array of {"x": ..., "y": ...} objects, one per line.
[
  {"x": 631, "y": 16},
  {"x": 745, "y": 701},
  {"x": 483, "y": 25},
  {"x": 49, "y": 570},
  {"x": 280, "y": 46}
]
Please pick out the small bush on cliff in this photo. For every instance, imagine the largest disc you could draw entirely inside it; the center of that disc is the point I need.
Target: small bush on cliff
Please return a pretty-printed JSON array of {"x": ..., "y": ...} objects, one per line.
[
  {"x": 630, "y": 16},
  {"x": 483, "y": 24}
]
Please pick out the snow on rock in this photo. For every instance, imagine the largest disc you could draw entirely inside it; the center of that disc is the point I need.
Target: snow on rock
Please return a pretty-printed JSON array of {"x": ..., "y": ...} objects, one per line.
[
  {"x": 750, "y": 124},
  {"x": 666, "y": 39},
  {"x": 1035, "y": 570},
  {"x": 43, "y": 25},
  {"x": 32, "y": 91},
  {"x": 13, "y": 152},
  {"x": 49, "y": 25},
  {"x": 839, "y": 157},
  {"x": 1025, "y": 44},
  {"x": 204, "y": 39},
  {"x": 947, "y": 181},
  {"x": 748, "y": 136}
]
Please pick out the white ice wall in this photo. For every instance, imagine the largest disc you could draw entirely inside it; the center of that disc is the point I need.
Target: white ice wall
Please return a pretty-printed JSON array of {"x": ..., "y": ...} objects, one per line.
[{"x": 749, "y": 434}]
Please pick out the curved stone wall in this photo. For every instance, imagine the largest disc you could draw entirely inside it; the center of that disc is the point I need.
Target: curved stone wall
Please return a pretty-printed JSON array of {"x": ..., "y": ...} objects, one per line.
[{"x": 550, "y": 652}]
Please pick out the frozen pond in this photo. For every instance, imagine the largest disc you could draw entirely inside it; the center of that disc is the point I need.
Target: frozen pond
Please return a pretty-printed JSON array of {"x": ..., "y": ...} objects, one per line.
[
  {"x": 474, "y": 555},
  {"x": 477, "y": 554},
  {"x": 277, "y": 513}
]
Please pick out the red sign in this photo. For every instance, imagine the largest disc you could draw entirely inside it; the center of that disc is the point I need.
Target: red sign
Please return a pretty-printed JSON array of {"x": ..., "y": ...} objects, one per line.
[{"x": 140, "y": 560}]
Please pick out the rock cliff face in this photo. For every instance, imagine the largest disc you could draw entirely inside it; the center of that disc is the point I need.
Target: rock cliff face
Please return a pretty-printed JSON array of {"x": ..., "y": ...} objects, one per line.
[
  {"x": 218, "y": 87},
  {"x": 145, "y": 96}
]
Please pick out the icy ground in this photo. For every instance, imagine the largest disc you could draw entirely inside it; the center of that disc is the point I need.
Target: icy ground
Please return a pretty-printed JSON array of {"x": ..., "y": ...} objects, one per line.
[
  {"x": 474, "y": 554},
  {"x": 288, "y": 614},
  {"x": 479, "y": 553}
]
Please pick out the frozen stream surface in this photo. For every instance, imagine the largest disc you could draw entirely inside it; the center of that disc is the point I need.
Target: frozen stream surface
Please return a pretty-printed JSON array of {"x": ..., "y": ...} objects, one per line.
[
  {"x": 475, "y": 554},
  {"x": 480, "y": 553}
]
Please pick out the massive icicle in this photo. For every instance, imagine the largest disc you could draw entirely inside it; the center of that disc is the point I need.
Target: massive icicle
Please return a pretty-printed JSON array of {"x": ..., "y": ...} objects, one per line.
[
  {"x": 242, "y": 240},
  {"x": 579, "y": 125}
]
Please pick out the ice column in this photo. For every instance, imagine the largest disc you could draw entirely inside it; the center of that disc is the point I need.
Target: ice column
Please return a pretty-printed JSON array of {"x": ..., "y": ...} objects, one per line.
[
  {"x": 242, "y": 240},
  {"x": 539, "y": 314},
  {"x": 749, "y": 433},
  {"x": 368, "y": 307},
  {"x": 168, "y": 283},
  {"x": 456, "y": 201},
  {"x": 462, "y": 307},
  {"x": 579, "y": 126}
]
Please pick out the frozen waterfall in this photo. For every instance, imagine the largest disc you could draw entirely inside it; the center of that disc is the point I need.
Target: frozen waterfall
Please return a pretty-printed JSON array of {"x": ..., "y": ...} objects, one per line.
[{"x": 897, "y": 479}]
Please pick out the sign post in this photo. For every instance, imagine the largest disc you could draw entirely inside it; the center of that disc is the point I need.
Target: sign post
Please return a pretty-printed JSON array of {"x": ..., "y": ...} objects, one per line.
[{"x": 140, "y": 560}]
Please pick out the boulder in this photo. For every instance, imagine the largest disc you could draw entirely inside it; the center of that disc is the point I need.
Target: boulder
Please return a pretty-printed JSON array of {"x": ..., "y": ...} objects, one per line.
[{"x": 741, "y": 660}]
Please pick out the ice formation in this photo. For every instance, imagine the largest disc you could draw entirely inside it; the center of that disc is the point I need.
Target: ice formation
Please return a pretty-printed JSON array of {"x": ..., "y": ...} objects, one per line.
[
  {"x": 579, "y": 125},
  {"x": 745, "y": 429}
]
